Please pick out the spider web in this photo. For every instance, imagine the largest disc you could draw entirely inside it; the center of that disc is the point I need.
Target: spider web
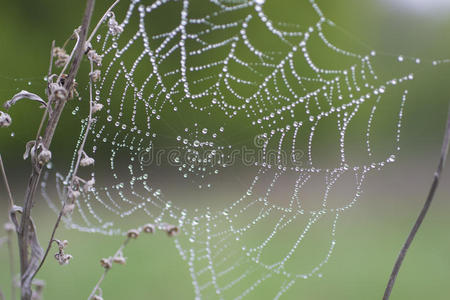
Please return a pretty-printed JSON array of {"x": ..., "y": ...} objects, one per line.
[{"x": 212, "y": 120}]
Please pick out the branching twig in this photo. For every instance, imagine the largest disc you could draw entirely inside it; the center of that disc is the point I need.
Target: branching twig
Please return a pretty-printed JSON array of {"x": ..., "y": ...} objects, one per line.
[
  {"x": 88, "y": 127},
  {"x": 26, "y": 223},
  {"x": 101, "y": 21},
  {"x": 74, "y": 175},
  {"x": 107, "y": 268},
  {"x": 107, "y": 263},
  {"x": 71, "y": 55},
  {"x": 423, "y": 212}
]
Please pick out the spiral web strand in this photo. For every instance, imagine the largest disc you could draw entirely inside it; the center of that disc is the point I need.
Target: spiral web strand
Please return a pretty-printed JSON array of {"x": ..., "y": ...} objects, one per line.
[{"x": 204, "y": 65}]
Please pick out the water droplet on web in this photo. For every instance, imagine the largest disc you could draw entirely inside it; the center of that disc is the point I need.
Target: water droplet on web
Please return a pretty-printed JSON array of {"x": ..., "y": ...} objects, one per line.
[
  {"x": 12, "y": 134},
  {"x": 75, "y": 110}
]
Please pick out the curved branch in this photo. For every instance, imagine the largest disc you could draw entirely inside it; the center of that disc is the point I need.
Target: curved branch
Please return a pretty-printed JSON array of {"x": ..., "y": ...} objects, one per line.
[{"x": 423, "y": 212}]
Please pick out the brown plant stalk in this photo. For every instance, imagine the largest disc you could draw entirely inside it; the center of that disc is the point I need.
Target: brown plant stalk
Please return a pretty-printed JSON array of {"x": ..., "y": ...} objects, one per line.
[
  {"x": 9, "y": 232},
  {"x": 25, "y": 230},
  {"x": 74, "y": 176},
  {"x": 423, "y": 212}
]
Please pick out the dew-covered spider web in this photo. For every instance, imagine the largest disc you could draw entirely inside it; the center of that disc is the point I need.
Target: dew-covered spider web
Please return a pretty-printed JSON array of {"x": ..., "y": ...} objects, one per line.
[{"x": 245, "y": 124}]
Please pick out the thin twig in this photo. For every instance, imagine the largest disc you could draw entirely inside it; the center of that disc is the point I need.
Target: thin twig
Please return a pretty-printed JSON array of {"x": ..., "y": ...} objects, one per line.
[
  {"x": 423, "y": 212},
  {"x": 88, "y": 127},
  {"x": 97, "y": 286},
  {"x": 74, "y": 175},
  {"x": 12, "y": 272},
  {"x": 101, "y": 21},
  {"x": 50, "y": 242},
  {"x": 70, "y": 57},
  {"x": 26, "y": 223},
  {"x": 2, "y": 297},
  {"x": 44, "y": 116},
  {"x": 51, "y": 60},
  {"x": 8, "y": 190}
]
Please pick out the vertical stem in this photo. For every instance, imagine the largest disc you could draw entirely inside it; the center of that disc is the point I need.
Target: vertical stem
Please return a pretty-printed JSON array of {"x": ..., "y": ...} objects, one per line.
[
  {"x": 12, "y": 272},
  {"x": 9, "y": 233},
  {"x": 99, "y": 282},
  {"x": 24, "y": 230},
  {"x": 423, "y": 212},
  {"x": 11, "y": 201}
]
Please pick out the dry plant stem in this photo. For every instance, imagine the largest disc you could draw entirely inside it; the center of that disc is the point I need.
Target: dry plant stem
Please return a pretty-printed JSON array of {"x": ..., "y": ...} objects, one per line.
[
  {"x": 88, "y": 127},
  {"x": 50, "y": 242},
  {"x": 9, "y": 233},
  {"x": 423, "y": 212},
  {"x": 97, "y": 286},
  {"x": 2, "y": 297},
  {"x": 101, "y": 21},
  {"x": 71, "y": 55},
  {"x": 12, "y": 272},
  {"x": 50, "y": 66},
  {"x": 8, "y": 190},
  {"x": 24, "y": 230},
  {"x": 74, "y": 175},
  {"x": 38, "y": 133}
]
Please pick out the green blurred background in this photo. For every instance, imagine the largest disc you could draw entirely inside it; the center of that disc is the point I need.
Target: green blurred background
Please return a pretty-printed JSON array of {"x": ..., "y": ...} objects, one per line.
[{"x": 369, "y": 236}]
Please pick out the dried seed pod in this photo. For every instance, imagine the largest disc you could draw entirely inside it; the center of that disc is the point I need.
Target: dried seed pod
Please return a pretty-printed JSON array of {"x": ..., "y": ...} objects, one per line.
[
  {"x": 97, "y": 107},
  {"x": 86, "y": 161},
  {"x": 45, "y": 156},
  {"x": 58, "y": 92},
  {"x": 119, "y": 260},
  {"x": 114, "y": 27},
  {"x": 5, "y": 119},
  {"x": 95, "y": 75},
  {"x": 94, "y": 57},
  {"x": 106, "y": 263},
  {"x": 63, "y": 259},
  {"x": 88, "y": 185},
  {"x": 133, "y": 233},
  {"x": 58, "y": 51},
  {"x": 172, "y": 230},
  {"x": 149, "y": 228}
]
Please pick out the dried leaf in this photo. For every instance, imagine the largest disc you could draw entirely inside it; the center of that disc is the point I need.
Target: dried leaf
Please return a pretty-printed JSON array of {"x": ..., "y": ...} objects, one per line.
[
  {"x": 35, "y": 258},
  {"x": 24, "y": 95},
  {"x": 28, "y": 147}
]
